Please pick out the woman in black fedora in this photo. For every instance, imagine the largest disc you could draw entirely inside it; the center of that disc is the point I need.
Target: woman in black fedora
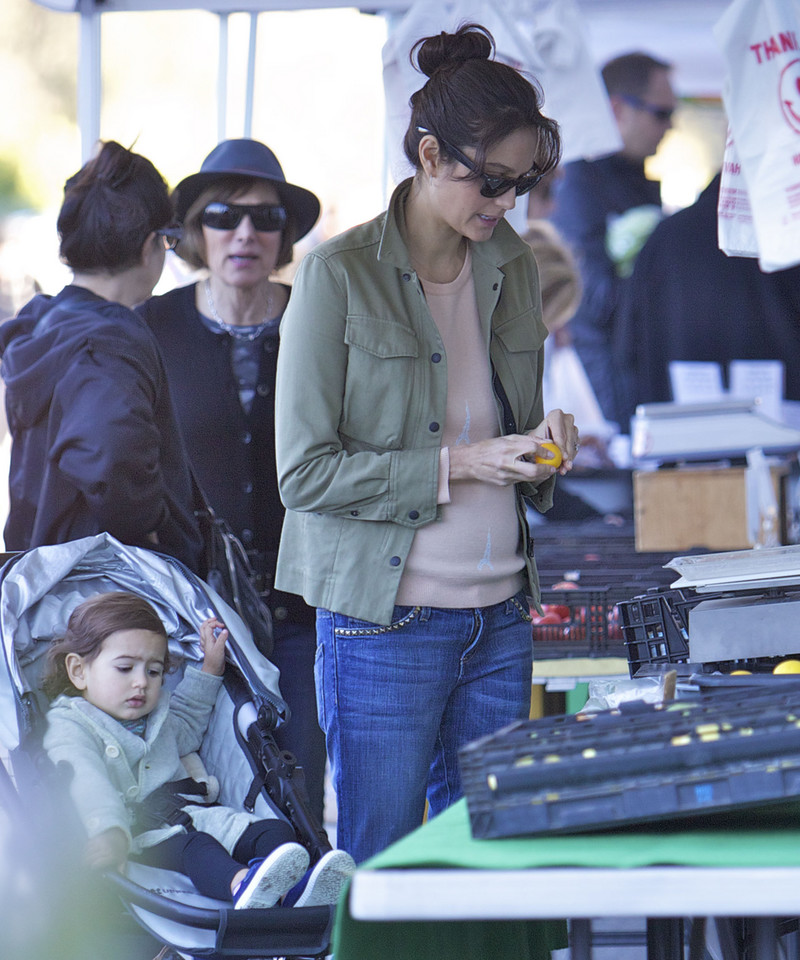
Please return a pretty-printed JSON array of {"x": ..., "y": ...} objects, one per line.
[{"x": 219, "y": 338}]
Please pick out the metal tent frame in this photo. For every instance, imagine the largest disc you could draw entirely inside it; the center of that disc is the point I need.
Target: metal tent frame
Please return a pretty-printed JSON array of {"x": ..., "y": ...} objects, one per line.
[
  {"x": 90, "y": 58},
  {"x": 682, "y": 29}
]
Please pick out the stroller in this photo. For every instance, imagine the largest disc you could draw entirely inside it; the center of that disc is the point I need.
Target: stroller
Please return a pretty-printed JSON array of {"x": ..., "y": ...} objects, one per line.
[{"x": 50, "y": 906}]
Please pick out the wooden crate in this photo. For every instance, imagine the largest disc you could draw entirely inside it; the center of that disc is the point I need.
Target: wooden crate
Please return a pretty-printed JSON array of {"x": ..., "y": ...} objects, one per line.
[{"x": 686, "y": 507}]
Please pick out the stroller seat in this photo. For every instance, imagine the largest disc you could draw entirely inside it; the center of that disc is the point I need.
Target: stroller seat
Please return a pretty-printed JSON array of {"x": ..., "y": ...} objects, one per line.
[{"x": 42, "y": 842}]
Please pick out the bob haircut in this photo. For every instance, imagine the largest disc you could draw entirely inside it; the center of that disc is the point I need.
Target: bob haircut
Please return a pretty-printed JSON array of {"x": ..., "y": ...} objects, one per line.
[
  {"x": 192, "y": 247},
  {"x": 471, "y": 100},
  {"x": 90, "y": 623},
  {"x": 110, "y": 207}
]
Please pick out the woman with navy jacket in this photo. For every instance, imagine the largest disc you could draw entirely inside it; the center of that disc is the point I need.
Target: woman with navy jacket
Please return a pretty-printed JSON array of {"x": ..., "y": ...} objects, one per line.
[{"x": 219, "y": 339}]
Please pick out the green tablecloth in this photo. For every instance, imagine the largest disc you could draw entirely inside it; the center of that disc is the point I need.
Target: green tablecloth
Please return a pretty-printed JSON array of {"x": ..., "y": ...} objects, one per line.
[{"x": 767, "y": 838}]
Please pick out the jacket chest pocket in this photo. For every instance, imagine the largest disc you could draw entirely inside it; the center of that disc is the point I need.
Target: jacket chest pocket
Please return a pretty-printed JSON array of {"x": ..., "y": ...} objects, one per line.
[
  {"x": 518, "y": 359},
  {"x": 381, "y": 368}
]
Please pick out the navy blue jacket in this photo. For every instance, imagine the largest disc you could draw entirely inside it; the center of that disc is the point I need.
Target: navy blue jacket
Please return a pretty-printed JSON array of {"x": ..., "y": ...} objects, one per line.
[
  {"x": 232, "y": 452},
  {"x": 687, "y": 300},
  {"x": 96, "y": 446},
  {"x": 589, "y": 195}
]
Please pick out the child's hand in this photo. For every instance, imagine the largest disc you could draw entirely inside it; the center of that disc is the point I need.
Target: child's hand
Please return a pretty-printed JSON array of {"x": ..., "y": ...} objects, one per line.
[
  {"x": 213, "y": 636},
  {"x": 107, "y": 849}
]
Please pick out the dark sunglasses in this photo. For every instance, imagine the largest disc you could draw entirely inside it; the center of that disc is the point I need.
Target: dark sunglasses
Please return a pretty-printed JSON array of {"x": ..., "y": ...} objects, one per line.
[
  {"x": 265, "y": 217},
  {"x": 171, "y": 236},
  {"x": 662, "y": 114},
  {"x": 493, "y": 186}
]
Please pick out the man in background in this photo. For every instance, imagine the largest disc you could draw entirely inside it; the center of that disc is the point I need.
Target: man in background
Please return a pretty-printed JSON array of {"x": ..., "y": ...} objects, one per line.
[
  {"x": 687, "y": 300},
  {"x": 606, "y": 208}
]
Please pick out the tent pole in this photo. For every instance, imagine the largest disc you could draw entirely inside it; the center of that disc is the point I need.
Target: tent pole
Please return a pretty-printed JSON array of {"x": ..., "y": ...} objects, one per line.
[
  {"x": 222, "y": 78},
  {"x": 251, "y": 77},
  {"x": 89, "y": 78}
]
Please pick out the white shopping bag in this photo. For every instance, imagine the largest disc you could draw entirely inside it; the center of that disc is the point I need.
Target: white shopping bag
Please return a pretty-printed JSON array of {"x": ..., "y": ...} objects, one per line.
[
  {"x": 736, "y": 232},
  {"x": 567, "y": 387},
  {"x": 550, "y": 44},
  {"x": 760, "y": 43}
]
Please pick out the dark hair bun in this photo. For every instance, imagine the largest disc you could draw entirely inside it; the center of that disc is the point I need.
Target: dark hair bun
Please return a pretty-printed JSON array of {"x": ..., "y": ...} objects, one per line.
[{"x": 470, "y": 42}]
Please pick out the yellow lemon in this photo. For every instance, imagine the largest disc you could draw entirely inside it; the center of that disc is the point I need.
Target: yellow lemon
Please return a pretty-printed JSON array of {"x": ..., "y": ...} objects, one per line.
[
  {"x": 554, "y": 460},
  {"x": 787, "y": 666}
]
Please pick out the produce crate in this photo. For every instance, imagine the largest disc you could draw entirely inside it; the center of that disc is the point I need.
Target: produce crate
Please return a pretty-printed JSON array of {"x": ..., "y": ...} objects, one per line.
[
  {"x": 655, "y": 627},
  {"x": 584, "y": 621},
  {"x": 640, "y": 763},
  {"x": 656, "y": 630},
  {"x": 584, "y": 575}
]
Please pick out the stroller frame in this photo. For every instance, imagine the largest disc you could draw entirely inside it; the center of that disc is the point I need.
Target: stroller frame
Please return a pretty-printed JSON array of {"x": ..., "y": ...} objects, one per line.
[{"x": 33, "y": 587}]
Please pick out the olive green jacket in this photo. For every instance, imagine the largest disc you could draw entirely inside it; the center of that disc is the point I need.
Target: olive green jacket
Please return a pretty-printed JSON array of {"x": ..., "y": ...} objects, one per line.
[{"x": 360, "y": 402}]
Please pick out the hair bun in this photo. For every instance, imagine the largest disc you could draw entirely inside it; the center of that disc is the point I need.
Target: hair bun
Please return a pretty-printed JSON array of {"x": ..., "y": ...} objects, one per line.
[{"x": 470, "y": 42}]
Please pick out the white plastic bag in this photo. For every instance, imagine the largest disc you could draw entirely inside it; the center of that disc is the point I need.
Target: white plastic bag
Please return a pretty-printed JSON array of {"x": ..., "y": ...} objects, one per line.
[
  {"x": 550, "y": 44},
  {"x": 760, "y": 43},
  {"x": 567, "y": 387},
  {"x": 735, "y": 229},
  {"x": 762, "y": 504}
]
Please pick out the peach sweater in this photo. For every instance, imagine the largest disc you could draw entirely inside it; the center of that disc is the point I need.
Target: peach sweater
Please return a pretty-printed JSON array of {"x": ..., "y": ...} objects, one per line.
[{"x": 471, "y": 555}]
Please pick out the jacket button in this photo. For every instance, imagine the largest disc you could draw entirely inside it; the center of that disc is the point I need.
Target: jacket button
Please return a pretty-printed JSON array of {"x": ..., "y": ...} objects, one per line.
[
  {"x": 132, "y": 791},
  {"x": 247, "y": 486},
  {"x": 395, "y": 561},
  {"x": 246, "y": 536},
  {"x": 433, "y": 427},
  {"x": 495, "y": 286},
  {"x": 406, "y": 277},
  {"x": 280, "y": 613},
  {"x": 247, "y": 437},
  {"x": 263, "y": 390},
  {"x": 436, "y": 357},
  {"x": 354, "y": 513},
  {"x": 414, "y": 515},
  {"x": 112, "y": 751}
]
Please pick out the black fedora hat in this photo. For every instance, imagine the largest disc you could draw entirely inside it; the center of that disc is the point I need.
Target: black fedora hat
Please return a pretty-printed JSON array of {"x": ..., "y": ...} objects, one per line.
[{"x": 249, "y": 158}]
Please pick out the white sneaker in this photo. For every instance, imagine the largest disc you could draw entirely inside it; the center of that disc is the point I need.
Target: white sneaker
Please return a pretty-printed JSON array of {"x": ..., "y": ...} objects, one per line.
[
  {"x": 267, "y": 880},
  {"x": 323, "y": 884}
]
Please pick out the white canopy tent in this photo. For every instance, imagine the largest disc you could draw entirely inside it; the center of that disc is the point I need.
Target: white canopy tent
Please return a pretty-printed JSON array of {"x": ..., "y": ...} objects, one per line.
[{"x": 677, "y": 30}]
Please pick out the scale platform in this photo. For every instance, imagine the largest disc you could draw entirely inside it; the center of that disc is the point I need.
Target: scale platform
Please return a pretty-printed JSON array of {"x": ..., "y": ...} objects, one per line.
[{"x": 725, "y": 429}]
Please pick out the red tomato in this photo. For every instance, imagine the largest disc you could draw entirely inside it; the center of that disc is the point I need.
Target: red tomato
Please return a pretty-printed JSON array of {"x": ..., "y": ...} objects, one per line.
[
  {"x": 547, "y": 618},
  {"x": 561, "y": 609}
]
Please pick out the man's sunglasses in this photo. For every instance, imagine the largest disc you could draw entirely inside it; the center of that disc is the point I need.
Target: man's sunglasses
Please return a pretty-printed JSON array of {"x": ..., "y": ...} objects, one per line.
[
  {"x": 493, "y": 186},
  {"x": 265, "y": 217},
  {"x": 171, "y": 236},
  {"x": 662, "y": 114}
]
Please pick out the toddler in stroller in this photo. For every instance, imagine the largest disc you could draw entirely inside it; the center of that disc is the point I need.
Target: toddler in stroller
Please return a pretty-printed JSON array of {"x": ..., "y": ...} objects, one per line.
[
  {"x": 42, "y": 841},
  {"x": 123, "y": 737}
]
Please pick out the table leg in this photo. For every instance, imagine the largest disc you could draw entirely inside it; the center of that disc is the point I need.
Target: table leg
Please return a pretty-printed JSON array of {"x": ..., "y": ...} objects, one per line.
[
  {"x": 665, "y": 938},
  {"x": 580, "y": 939},
  {"x": 764, "y": 932}
]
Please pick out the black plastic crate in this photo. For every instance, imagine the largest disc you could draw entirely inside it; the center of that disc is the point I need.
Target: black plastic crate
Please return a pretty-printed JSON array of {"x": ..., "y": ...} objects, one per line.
[
  {"x": 588, "y": 624},
  {"x": 641, "y": 763},
  {"x": 656, "y": 630},
  {"x": 602, "y": 568},
  {"x": 655, "y": 627}
]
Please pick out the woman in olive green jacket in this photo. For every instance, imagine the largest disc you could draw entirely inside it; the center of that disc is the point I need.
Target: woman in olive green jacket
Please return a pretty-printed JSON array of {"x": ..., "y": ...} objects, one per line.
[{"x": 409, "y": 422}]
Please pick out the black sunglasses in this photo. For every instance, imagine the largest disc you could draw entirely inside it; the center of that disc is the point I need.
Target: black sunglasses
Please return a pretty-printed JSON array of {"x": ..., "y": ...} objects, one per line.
[
  {"x": 265, "y": 217},
  {"x": 662, "y": 114},
  {"x": 493, "y": 186},
  {"x": 171, "y": 236}
]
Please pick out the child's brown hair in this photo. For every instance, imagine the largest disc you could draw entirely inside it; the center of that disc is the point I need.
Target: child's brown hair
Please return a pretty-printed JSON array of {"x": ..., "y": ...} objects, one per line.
[{"x": 89, "y": 625}]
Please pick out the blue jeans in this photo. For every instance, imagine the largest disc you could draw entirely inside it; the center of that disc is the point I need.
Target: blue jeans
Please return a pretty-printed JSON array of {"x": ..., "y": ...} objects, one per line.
[
  {"x": 396, "y": 704},
  {"x": 293, "y": 654}
]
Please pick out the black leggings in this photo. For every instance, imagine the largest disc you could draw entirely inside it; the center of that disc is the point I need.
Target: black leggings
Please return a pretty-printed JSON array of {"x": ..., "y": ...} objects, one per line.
[{"x": 207, "y": 863}]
